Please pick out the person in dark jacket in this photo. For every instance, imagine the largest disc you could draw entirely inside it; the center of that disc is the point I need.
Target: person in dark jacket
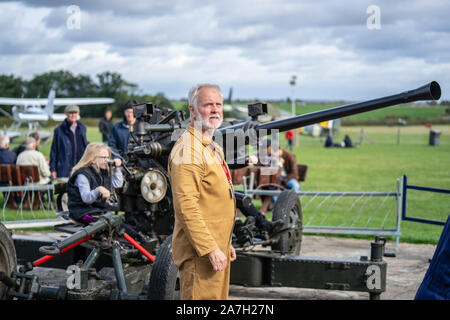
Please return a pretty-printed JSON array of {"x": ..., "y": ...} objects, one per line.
[
  {"x": 348, "y": 142},
  {"x": 120, "y": 133},
  {"x": 91, "y": 183},
  {"x": 105, "y": 125},
  {"x": 328, "y": 142},
  {"x": 6, "y": 156},
  {"x": 68, "y": 145}
]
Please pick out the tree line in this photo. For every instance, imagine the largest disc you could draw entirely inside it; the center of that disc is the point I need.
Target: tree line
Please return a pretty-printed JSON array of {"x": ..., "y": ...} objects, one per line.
[{"x": 66, "y": 84}]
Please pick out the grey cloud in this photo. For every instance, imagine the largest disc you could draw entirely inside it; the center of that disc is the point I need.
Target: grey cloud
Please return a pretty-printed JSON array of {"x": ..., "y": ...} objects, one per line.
[{"x": 276, "y": 38}]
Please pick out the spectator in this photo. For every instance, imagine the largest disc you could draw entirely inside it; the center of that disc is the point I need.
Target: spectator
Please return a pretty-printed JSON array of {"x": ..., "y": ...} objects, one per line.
[
  {"x": 31, "y": 157},
  {"x": 290, "y": 139},
  {"x": 18, "y": 150},
  {"x": 288, "y": 163},
  {"x": 289, "y": 171},
  {"x": 6, "y": 156},
  {"x": 328, "y": 142},
  {"x": 105, "y": 125},
  {"x": 120, "y": 133},
  {"x": 69, "y": 143},
  {"x": 348, "y": 142}
]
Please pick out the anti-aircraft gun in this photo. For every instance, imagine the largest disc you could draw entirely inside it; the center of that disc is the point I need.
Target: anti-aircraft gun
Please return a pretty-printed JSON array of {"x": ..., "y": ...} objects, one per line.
[{"x": 146, "y": 199}]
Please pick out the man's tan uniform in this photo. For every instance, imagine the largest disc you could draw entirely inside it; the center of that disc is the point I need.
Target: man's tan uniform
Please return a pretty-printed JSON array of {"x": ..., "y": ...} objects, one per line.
[{"x": 204, "y": 215}]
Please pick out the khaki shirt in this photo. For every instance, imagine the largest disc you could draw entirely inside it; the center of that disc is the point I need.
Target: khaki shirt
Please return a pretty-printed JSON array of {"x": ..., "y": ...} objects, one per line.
[{"x": 204, "y": 209}]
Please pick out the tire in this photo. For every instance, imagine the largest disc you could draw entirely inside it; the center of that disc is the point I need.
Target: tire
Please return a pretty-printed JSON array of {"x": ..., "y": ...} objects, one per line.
[
  {"x": 61, "y": 202},
  {"x": 164, "y": 281},
  {"x": 288, "y": 208},
  {"x": 8, "y": 258}
]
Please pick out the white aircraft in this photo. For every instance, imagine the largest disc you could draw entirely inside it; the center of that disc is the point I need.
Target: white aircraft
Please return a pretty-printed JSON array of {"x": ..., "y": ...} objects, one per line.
[
  {"x": 321, "y": 129},
  {"x": 240, "y": 111},
  {"x": 30, "y": 111}
]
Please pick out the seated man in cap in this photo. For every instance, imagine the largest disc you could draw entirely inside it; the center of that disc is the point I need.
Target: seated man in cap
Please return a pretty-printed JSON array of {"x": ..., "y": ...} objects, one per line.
[
  {"x": 120, "y": 133},
  {"x": 31, "y": 157},
  {"x": 68, "y": 145}
]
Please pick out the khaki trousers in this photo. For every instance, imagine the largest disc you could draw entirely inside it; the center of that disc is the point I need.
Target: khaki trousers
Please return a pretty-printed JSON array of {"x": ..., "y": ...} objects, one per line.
[{"x": 198, "y": 280}]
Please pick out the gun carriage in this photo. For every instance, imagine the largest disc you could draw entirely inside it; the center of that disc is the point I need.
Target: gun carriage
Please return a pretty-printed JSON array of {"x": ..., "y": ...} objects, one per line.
[{"x": 144, "y": 230}]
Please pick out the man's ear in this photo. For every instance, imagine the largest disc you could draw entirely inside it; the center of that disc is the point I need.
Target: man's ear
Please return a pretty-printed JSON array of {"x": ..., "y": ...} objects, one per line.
[{"x": 191, "y": 110}]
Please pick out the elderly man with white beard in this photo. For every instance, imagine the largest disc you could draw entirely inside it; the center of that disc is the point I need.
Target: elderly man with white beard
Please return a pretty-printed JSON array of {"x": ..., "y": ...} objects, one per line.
[{"x": 204, "y": 201}]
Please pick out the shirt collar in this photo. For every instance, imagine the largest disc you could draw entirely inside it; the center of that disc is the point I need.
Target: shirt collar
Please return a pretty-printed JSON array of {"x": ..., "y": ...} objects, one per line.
[{"x": 198, "y": 135}]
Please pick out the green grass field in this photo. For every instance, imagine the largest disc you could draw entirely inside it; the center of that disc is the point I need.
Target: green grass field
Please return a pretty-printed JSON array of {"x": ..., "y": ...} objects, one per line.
[
  {"x": 376, "y": 166},
  {"x": 373, "y": 166},
  {"x": 408, "y": 111}
]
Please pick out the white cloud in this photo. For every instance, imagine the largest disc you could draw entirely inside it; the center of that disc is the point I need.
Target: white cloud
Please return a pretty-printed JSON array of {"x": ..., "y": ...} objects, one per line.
[{"x": 254, "y": 46}]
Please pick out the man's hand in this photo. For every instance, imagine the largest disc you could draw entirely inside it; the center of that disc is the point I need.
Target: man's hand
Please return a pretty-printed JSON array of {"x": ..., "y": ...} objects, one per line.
[
  {"x": 53, "y": 175},
  {"x": 218, "y": 259},
  {"x": 104, "y": 192},
  {"x": 232, "y": 254}
]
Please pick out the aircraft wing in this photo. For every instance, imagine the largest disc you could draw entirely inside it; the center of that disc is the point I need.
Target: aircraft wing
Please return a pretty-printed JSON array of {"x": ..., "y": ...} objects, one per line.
[
  {"x": 56, "y": 102},
  {"x": 33, "y": 117},
  {"x": 80, "y": 101},
  {"x": 22, "y": 102}
]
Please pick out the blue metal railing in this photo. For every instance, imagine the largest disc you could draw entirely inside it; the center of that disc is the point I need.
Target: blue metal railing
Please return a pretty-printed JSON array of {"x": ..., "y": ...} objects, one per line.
[{"x": 405, "y": 187}]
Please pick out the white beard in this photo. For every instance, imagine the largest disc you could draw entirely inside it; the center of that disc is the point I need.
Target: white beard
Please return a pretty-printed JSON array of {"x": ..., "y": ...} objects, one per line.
[{"x": 206, "y": 124}]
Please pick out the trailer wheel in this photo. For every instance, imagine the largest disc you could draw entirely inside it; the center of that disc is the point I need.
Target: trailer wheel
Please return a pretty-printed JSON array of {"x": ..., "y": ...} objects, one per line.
[
  {"x": 289, "y": 209},
  {"x": 8, "y": 259},
  {"x": 61, "y": 202},
  {"x": 164, "y": 281}
]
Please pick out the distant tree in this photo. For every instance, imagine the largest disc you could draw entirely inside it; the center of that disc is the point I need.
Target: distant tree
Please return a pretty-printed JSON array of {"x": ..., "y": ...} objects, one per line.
[
  {"x": 66, "y": 84},
  {"x": 159, "y": 100},
  {"x": 111, "y": 84},
  {"x": 84, "y": 86},
  {"x": 62, "y": 81},
  {"x": 12, "y": 87}
]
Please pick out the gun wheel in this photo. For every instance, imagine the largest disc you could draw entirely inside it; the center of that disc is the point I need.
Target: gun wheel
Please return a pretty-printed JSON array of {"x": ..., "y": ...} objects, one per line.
[
  {"x": 8, "y": 259},
  {"x": 288, "y": 208},
  {"x": 164, "y": 281},
  {"x": 62, "y": 202}
]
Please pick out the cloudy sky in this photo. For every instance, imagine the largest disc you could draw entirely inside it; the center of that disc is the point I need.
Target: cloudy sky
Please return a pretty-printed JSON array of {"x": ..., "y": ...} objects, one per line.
[{"x": 353, "y": 50}]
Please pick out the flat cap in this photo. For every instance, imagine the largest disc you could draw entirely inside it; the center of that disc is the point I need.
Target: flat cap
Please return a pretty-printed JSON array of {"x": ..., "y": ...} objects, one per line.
[{"x": 72, "y": 108}]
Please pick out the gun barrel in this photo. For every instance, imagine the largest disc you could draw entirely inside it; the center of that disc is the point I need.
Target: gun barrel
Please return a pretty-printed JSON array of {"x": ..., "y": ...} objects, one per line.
[
  {"x": 104, "y": 222},
  {"x": 430, "y": 91},
  {"x": 143, "y": 128}
]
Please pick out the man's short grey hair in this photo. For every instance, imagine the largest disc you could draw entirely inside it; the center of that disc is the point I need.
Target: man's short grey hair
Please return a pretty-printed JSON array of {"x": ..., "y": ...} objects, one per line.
[
  {"x": 4, "y": 141},
  {"x": 29, "y": 142},
  {"x": 193, "y": 92}
]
